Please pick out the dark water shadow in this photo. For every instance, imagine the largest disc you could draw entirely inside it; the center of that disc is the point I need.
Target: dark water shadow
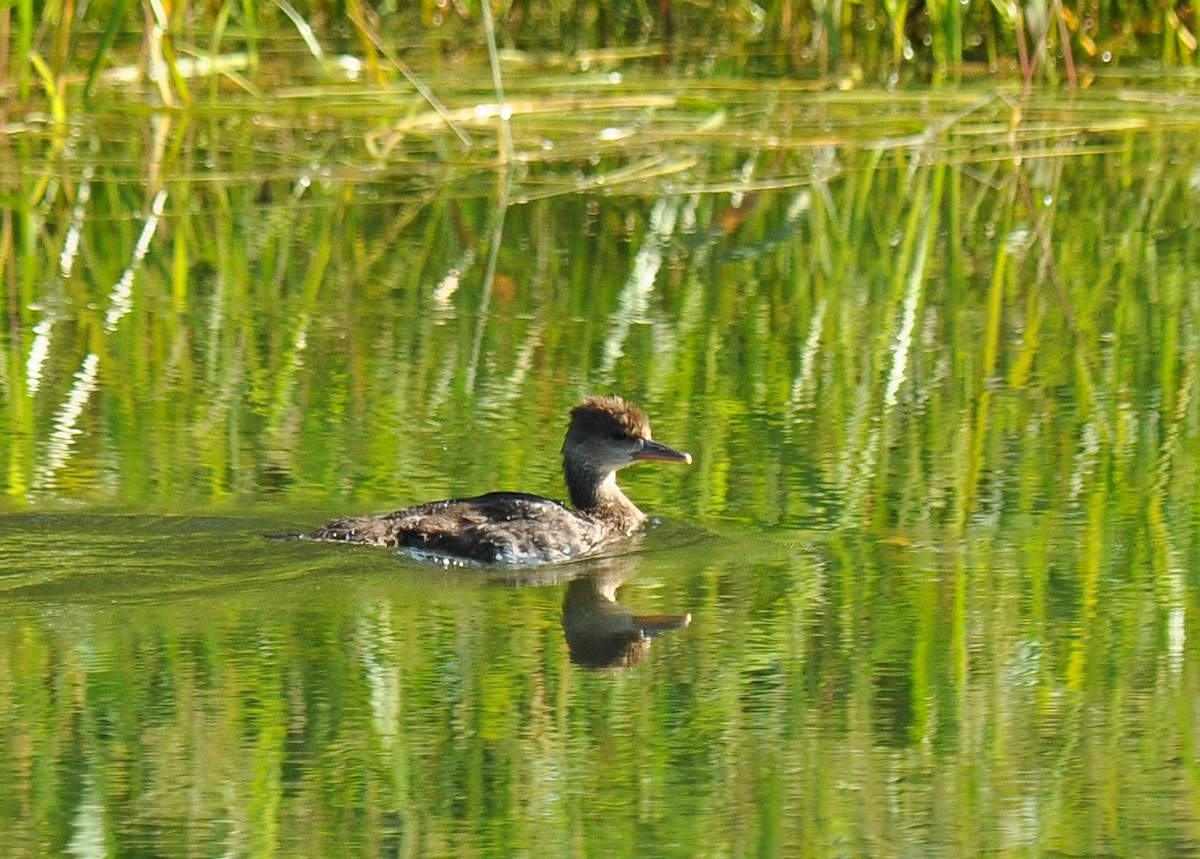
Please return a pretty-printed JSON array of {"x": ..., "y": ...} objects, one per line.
[{"x": 603, "y": 633}]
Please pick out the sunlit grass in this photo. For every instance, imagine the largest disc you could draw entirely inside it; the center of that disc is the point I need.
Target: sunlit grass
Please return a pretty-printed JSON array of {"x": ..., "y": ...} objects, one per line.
[{"x": 119, "y": 44}]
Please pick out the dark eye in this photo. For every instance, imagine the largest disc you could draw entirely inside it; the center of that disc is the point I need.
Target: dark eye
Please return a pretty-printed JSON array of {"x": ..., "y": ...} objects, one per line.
[{"x": 618, "y": 435}]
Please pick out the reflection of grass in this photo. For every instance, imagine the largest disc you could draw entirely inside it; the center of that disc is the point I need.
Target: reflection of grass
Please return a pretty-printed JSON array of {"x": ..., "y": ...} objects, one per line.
[
  {"x": 958, "y": 328},
  {"x": 899, "y": 271}
]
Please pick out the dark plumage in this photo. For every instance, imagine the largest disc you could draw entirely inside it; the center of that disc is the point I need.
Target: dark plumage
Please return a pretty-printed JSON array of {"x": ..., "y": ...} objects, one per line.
[{"x": 605, "y": 435}]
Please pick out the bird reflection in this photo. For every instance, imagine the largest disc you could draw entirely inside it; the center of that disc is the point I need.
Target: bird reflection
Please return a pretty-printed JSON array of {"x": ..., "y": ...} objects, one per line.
[{"x": 602, "y": 633}]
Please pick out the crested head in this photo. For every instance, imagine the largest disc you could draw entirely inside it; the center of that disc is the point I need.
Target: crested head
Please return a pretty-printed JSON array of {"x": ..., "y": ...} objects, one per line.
[
  {"x": 605, "y": 435},
  {"x": 604, "y": 416}
]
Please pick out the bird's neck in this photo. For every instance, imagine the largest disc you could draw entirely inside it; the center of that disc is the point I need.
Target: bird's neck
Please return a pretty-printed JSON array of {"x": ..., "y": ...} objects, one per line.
[{"x": 597, "y": 494}]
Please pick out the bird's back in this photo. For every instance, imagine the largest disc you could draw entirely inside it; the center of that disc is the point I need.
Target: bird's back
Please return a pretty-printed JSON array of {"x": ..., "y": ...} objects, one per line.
[{"x": 497, "y": 528}]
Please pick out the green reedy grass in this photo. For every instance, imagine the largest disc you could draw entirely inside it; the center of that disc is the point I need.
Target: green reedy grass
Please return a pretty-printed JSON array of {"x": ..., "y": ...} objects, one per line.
[{"x": 896, "y": 39}]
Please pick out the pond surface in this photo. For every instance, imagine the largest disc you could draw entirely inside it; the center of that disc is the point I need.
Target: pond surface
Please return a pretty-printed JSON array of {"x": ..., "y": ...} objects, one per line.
[{"x": 930, "y": 587}]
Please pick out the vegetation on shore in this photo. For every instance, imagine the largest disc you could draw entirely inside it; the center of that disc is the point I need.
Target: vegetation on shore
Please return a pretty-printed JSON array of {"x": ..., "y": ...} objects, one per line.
[{"x": 61, "y": 46}]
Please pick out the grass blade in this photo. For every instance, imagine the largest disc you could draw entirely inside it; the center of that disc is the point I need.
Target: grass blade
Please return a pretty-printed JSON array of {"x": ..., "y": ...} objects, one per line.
[{"x": 106, "y": 42}]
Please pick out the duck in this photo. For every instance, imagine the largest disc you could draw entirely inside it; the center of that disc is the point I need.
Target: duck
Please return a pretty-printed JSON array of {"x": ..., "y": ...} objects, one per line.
[{"x": 605, "y": 434}]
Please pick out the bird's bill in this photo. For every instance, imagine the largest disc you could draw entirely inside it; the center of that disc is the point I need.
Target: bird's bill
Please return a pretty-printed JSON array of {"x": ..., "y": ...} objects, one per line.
[{"x": 653, "y": 451}]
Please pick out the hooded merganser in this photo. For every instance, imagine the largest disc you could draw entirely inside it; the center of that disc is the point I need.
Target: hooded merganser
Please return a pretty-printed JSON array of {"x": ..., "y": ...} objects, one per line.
[{"x": 515, "y": 528}]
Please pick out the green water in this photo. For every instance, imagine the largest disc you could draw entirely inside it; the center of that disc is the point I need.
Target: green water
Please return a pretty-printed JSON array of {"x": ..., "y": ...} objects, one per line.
[{"x": 934, "y": 354}]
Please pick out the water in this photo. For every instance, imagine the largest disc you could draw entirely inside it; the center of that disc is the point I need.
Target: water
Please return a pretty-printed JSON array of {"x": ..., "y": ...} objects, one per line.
[{"x": 936, "y": 363}]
